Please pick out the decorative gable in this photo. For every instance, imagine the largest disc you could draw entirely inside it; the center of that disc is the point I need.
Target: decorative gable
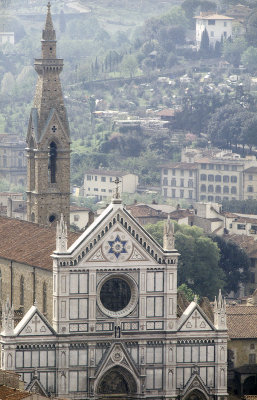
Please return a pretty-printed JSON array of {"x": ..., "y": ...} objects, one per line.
[
  {"x": 193, "y": 319},
  {"x": 54, "y": 128},
  {"x": 33, "y": 324}
]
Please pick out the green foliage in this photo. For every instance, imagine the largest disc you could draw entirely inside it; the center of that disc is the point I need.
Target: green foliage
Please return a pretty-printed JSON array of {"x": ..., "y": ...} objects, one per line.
[
  {"x": 205, "y": 43},
  {"x": 240, "y": 206},
  {"x": 234, "y": 262},
  {"x": 251, "y": 28},
  {"x": 233, "y": 50},
  {"x": 189, "y": 294},
  {"x": 198, "y": 265},
  {"x": 249, "y": 58}
]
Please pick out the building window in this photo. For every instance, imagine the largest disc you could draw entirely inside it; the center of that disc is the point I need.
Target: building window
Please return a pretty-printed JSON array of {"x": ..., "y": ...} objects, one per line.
[
  {"x": 103, "y": 190},
  {"x": 182, "y": 182},
  {"x": 154, "y": 378},
  {"x": 182, "y": 172},
  {"x": 165, "y": 182},
  {"x": 190, "y": 183},
  {"x": 241, "y": 227},
  {"x": 190, "y": 194},
  {"x": 225, "y": 23},
  {"x": 252, "y": 359},
  {"x": 103, "y": 179},
  {"x": 218, "y": 189},
  {"x": 250, "y": 177},
  {"x": 95, "y": 189},
  {"x": 233, "y": 190},
  {"x": 22, "y": 290},
  {"x": 225, "y": 189},
  {"x": 226, "y": 178},
  {"x": 190, "y": 173},
  {"x": 210, "y": 198},
  {"x": 211, "y": 166},
  {"x": 202, "y": 198},
  {"x": 233, "y": 179},
  {"x": 234, "y": 167},
  {"x": 250, "y": 189},
  {"x": 226, "y": 167},
  {"x": 52, "y": 162},
  {"x": 165, "y": 192},
  {"x": 217, "y": 178},
  {"x": 110, "y": 179},
  {"x": 154, "y": 306},
  {"x": 218, "y": 167},
  {"x": 252, "y": 346},
  {"x": 225, "y": 34},
  {"x": 76, "y": 218},
  {"x": 203, "y": 188},
  {"x": 165, "y": 171},
  {"x": 44, "y": 298},
  {"x": 203, "y": 166},
  {"x": 154, "y": 281},
  {"x": 173, "y": 172},
  {"x": 211, "y": 178},
  {"x": 173, "y": 193},
  {"x": 88, "y": 177},
  {"x": 211, "y": 21},
  {"x": 181, "y": 194},
  {"x": 154, "y": 354},
  {"x": 203, "y": 177},
  {"x": 173, "y": 182},
  {"x": 218, "y": 199},
  {"x": 210, "y": 188}
]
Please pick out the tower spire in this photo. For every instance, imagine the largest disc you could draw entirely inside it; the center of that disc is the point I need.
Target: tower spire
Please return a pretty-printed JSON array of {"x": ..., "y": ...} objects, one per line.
[
  {"x": 48, "y": 138},
  {"x": 49, "y": 32}
]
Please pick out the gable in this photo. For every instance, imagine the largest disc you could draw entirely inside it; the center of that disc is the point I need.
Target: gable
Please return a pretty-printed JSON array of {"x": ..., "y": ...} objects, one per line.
[
  {"x": 195, "y": 320},
  {"x": 116, "y": 236},
  {"x": 33, "y": 324},
  {"x": 53, "y": 129}
]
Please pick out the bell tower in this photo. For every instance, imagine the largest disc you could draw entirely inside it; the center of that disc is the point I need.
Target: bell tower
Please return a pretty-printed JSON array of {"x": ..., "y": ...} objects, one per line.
[{"x": 48, "y": 139}]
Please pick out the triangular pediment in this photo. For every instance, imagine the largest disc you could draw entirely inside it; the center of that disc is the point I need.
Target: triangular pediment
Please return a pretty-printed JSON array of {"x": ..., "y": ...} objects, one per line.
[
  {"x": 33, "y": 324},
  {"x": 195, "y": 383},
  {"x": 117, "y": 356},
  {"x": 54, "y": 128},
  {"x": 194, "y": 319},
  {"x": 115, "y": 236},
  {"x": 35, "y": 386}
]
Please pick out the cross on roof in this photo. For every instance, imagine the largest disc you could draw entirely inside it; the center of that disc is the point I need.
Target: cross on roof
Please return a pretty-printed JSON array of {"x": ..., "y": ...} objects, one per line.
[
  {"x": 196, "y": 317},
  {"x": 35, "y": 322},
  {"x": 54, "y": 129},
  {"x": 117, "y": 194}
]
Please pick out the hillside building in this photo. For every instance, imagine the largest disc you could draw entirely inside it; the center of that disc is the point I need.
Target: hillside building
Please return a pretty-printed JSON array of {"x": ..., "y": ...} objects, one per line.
[
  {"x": 12, "y": 159},
  {"x": 218, "y": 27}
]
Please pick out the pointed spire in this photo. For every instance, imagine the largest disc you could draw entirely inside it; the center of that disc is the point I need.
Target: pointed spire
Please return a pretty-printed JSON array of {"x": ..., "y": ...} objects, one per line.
[
  {"x": 7, "y": 318},
  {"x": 220, "y": 317},
  {"x": 49, "y": 32},
  {"x": 61, "y": 236},
  {"x": 168, "y": 235}
]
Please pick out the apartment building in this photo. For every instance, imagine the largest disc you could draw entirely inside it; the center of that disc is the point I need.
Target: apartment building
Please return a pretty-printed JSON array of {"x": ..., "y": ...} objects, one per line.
[
  {"x": 100, "y": 183},
  {"x": 209, "y": 175}
]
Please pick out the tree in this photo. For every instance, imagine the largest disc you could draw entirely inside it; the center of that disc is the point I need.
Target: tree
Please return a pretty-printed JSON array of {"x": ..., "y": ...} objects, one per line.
[
  {"x": 198, "y": 265},
  {"x": 8, "y": 83},
  {"x": 205, "y": 43},
  {"x": 225, "y": 126},
  {"x": 233, "y": 50},
  {"x": 234, "y": 262},
  {"x": 249, "y": 131},
  {"x": 251, "y": 29},
  {"x": 129, "y": 65},
  {"x": 249, "y": 58}
]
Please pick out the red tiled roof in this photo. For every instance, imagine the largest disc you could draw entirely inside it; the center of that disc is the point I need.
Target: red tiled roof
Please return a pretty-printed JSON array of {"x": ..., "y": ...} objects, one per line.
[
  {"x": 8, "y": 393},
  {"x": 138, "y": 211},
  {"x": 180, "y": 165},
  {"x": 246, "y": 242},
  {"x": 168, "y": 112},
  {"x": 29, "y": 243},
  {"x": 242, "y": 321}
]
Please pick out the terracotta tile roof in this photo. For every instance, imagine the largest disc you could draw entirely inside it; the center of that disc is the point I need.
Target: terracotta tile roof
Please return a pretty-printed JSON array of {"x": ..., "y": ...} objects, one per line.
[
  {"x": 7, "y": 393},
  {"x": 250, "y": 397},
  {"x": 180, "y": 165},
  {"x": 143, "y": 210},
  {"x": 246, "y": 242},
  {"x": 242, "y": 321},
  {"x": 79, "y": 208},
  {"x": 178, "y": 214},
  {"x": 213, "y": 16},
  {"x": 168, "y": 112},
  {"x": 28, "y": 243},
  {"x": 104, "y": 171}
]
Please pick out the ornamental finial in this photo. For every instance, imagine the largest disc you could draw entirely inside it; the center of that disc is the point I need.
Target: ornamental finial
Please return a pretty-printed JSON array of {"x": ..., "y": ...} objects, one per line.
[{"x": 117, "y": 193}]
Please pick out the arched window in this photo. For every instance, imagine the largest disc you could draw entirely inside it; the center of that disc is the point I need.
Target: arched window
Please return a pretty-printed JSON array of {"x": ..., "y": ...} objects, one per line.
[
  {"x": 203, "y": 188},
  {"x": 217, "y": 178},
  {"x": 44, "y": 298},
  {"x": 233, "y": 190},
  {"x": 22, "y": 290},
  {"x": 211, "y": 178},
  {"x": 210, "y": 188},
  {"x": 52, "y": 162},
  {"x": 218, "y": 189},
  {"x": 225, "y": 189},
  {"x": 203, "y": 177}
]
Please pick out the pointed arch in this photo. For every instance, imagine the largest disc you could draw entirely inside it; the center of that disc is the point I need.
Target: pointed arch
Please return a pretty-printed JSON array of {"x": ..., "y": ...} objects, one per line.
[
  {"x": 22, "y": 290},
  {"x": 44, "y": 298},
  {"x": 117, "y": 380},
  {"x": 52, "y": 162}
]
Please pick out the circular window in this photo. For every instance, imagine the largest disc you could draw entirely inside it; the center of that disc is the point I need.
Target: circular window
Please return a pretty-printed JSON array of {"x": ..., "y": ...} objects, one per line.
[
  {"x": 117, "y": 295},
  {"x": 52, "y": 218}
]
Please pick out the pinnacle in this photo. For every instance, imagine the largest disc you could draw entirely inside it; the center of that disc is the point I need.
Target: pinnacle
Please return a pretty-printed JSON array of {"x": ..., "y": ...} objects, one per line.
[{"x": 49, "y": 32}]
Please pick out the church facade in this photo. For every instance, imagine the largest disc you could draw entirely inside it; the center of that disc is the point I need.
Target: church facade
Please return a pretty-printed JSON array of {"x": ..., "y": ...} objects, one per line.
[
  {"x": 115, "y": 328},
  {"x": 115, "y": 332}
]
